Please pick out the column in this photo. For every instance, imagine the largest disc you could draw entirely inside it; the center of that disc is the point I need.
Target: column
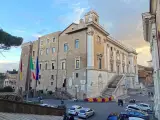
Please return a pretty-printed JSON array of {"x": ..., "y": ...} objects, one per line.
[
  {"x": 105, "y": 56},
  {"x": 108, "y": 58},
  {"x": 121, "y": 68},
  {"x": 114, "y": 56},
  {"x": 90, "y": 48}
]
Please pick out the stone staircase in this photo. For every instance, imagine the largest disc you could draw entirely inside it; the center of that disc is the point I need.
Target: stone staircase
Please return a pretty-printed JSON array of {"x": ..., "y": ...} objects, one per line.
[
  {"x": 62, "y": 94},
  {"x": 108, "y": 91}
]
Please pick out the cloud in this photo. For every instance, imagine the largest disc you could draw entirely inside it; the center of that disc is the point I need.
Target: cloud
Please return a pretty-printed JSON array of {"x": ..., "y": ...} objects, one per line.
[
  {"x": 19, "y": 31},
  {"x": 75, "y": 14},
  {"x": 37, "y": 35},
  {"x": 8, "y": 66},
  {"x": 43, "y": 31}
]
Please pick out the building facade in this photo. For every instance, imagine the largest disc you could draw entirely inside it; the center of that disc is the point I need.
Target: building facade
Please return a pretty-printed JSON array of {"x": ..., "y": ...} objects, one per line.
[
  {"x": 83, "y": 59},
  {"x": 151, "y": 28},
  {"x": 11, "y": 79}
]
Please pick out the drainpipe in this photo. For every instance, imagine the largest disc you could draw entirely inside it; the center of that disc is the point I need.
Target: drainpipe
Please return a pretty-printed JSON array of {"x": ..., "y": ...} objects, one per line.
[{"x": 57, "y": 61}]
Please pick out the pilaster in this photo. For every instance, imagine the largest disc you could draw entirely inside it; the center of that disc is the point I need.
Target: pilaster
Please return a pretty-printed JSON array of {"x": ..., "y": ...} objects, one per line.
[
  {"x": 114, "y": 56},
  {"x": 90, "y": 48},
  {"x": 108, "y": 57}
]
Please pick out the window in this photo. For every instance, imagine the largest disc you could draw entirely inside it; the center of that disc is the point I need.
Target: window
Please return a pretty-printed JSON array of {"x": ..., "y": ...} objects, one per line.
[
  {"x": 41, "y": 52},
  {"x": 77, "y": 64},
  {"x": 52, "y": 77},
  {"x": 98, "y": 39},
  {"x": 111, "y": 48},
  {"x": 63, "y": 65},
  {"x": 65, "y": 47},
  {"x": 111, "y": 67},
  {"x": 99, "y": 63},
  {"x": 53, "y": 50},
  {"x": 39, "y": 82},
  {"x": 54, "y": 39},
  {"x": 33, "y": 53},
  {"x": 46, "y": 66},
  {"x": 41, "y": 42},
  {"x": 51, "y": 83},
  {"x": 96, "y": 19},
  {"x": 76, "y": 75},
  {"x": 76, "y": 43},
  {"x": 39, "y": 76},
  {"x": 52, "y": 66},
  {"x": 47, "y": 40},
  {"x": 123, "y": 69},
  {"x": 47, "y": 51},
  {"x": 40, "y": 66}
]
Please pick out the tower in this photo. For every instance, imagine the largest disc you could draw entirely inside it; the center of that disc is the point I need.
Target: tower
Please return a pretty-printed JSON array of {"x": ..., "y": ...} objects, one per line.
[{"x": 91, "y": 16}]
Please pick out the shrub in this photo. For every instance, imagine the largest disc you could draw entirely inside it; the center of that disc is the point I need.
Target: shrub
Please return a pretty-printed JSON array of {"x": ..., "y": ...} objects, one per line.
[
  {"x": 7, "y": 89},
  {"x": 50, "y": 92}
]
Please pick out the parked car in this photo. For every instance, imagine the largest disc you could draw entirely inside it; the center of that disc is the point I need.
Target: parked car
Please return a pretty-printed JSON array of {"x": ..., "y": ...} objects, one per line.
[
  {"x": 145, "y": 107},
  {"x": 113, "y": 116},
  {"x": 74, "y": 110},
  {"x": 85, "y": 113},
  {"x": 138, "y": 114},
  {"x": 132, "y": 108},
  {"x": 135, "y": 118}
]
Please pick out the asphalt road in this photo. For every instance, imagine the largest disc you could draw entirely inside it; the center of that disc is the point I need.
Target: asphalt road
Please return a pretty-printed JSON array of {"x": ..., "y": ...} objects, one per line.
[{"x": 102, "y": 110}]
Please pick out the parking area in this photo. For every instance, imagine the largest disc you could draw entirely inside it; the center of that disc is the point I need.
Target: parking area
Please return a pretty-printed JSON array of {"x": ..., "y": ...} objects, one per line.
[{"x": 102, "y": 110}]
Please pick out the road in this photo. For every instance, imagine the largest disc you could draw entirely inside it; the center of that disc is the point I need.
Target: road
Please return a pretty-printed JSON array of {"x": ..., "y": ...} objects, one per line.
[{"x": 102, "y": 110}]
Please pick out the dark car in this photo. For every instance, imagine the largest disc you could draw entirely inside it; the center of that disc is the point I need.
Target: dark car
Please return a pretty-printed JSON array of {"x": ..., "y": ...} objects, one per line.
[
  {"x": 113, "y": 116},
  {"x": 138, "y": 114}
]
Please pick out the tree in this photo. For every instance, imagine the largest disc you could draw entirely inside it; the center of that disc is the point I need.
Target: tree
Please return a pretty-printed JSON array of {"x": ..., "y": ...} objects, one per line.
[{"x": 7, "y": 40}]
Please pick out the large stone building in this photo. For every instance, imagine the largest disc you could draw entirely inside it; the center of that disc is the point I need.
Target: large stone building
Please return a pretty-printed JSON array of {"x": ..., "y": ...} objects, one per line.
[
  {"x": 151, "y": 28},
  {"x": 84, "y": 59}
]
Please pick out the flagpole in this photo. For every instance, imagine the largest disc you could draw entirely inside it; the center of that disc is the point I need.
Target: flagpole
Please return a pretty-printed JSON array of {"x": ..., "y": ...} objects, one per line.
[
  {"x": 36, "y": 64},
  {"x": 28, "y": 71}
]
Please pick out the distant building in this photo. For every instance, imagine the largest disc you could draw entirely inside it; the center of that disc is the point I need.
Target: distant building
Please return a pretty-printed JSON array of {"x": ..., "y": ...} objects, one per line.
[
  {"x": 83, "y": 59},
  {"x": 11, "y": 79},
  {"x": 2, "y": 78},
  {"x": 145, "y": 76}
]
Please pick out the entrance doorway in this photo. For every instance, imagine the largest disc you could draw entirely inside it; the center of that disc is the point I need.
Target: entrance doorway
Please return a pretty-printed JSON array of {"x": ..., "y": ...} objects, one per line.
[{"x": 118, "y": 69}]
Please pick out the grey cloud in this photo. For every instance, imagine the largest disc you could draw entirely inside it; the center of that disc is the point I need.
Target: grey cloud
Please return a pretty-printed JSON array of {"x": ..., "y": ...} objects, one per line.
[{"x": 8, "y": 66}]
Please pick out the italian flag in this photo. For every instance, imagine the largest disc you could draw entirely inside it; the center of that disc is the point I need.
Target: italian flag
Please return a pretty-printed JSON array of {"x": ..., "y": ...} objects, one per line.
[{"x": 32, "y": 68}]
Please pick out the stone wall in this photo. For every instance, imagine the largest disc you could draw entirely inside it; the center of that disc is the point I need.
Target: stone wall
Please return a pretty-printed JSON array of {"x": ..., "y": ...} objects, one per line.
[{"x": 19, "y": 107}]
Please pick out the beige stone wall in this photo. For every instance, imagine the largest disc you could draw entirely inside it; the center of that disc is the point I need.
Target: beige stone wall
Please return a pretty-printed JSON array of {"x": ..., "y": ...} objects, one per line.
[
  {"x": 26, "y": 47},
  {"x": 70, "y": 57}
]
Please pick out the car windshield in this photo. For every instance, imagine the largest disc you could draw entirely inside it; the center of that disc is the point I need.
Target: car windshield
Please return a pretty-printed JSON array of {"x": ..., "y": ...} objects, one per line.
[
  {"x": 82, "y": 111},
  {"x": 72, "y": 108},
  {"x": 79, "y": 107}
]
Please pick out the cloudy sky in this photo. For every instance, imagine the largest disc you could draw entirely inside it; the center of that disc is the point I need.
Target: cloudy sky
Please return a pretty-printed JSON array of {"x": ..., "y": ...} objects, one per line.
[{"x": 32, "y": 18}]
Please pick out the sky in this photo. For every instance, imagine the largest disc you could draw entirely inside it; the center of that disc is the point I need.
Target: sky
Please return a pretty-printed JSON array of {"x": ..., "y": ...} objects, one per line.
[{"x": 33, "y": 18}]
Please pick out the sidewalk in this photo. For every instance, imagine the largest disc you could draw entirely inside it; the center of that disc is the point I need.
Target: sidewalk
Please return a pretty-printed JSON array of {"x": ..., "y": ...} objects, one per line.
[{"x": 16, "y": 116}]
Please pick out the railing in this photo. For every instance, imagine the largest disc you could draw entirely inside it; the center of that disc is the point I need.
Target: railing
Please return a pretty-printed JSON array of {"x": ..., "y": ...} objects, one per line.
[
  {"x": 106, "y": 87},
  {"x": 118, "y": 85}
]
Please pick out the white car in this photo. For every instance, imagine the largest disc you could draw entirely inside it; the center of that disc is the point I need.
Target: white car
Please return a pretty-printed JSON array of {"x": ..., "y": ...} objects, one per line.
[
  {"x": 85, "y": 113},
  {"x": 74, "y": 110},
  {"x": 144, "y": 107},
  {"x": 133, "y": 107}
]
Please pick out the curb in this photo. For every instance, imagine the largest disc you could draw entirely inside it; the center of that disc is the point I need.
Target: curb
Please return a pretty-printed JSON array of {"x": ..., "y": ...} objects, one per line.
[{"x": 100, "y": 100}]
